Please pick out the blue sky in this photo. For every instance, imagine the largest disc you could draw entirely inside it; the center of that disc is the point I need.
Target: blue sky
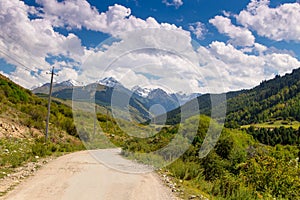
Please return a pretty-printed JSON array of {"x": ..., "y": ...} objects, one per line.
[{"x": 228, "y": 45}]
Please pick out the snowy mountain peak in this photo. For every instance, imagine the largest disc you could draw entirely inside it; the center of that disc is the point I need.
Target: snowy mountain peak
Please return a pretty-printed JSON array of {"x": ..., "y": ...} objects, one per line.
[
  {"x": 158, "y": 93},
  {"x": 109, "y": 82},
  {"x": 69, "y": 83},
  {"x": 143, "y": 92},
  {"x": 183, "y": 97}
]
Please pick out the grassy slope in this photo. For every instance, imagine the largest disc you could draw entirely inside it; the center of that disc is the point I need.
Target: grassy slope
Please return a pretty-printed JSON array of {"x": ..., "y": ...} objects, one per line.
[{"x": 20, "y": 108}]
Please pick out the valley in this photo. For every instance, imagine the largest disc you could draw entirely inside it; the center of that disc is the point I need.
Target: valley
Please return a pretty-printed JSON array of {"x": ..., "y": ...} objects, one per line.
[
  {"x": 150, "y": 100},
  {"x": 255, "y": 156}
]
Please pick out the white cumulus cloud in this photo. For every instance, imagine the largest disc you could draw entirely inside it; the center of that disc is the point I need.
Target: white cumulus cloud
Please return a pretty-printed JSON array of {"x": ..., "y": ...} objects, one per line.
[
  {"x": 27, "y": 42},
  {"x": 239, "y": 36},
  {"x": 156, "y": 57},
  {"x": 280, "y": 23},
  {"x": 245, "y": 71},
  {"x": 146, "y": 53},
  {"x": 79, "y": 13},
  {"x": 31, "y": 41}
]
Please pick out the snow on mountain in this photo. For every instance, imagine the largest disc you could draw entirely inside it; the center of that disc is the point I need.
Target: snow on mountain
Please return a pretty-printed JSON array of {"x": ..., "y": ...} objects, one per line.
[
  {"x": 109, "y": 82},
  {"x": 148, "y": 93},
  {"x": 182, "y": 98},
  {"x": 143, "y": 92},
  {"x": 40, "y": 85},
  {"x": 179, "y": 97},
  {"x": 69, "y": 83},
  {"x": 158, "y": 93}
]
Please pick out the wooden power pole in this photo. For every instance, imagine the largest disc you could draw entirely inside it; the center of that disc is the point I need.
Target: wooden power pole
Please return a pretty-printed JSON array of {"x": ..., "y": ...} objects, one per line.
[{"x": 49, "y": 105}]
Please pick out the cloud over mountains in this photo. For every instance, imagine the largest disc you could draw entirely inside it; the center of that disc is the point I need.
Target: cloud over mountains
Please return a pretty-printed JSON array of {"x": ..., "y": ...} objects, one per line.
[{"x": 144, "y": 50}]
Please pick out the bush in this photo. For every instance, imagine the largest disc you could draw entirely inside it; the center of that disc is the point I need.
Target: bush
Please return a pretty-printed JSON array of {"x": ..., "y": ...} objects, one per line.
[
  {"x": 272, "y": 177},
  {"x": 185, "y": 171},
  {"x": 40, "y": 149},
  {"x": 213, "y": 166}
]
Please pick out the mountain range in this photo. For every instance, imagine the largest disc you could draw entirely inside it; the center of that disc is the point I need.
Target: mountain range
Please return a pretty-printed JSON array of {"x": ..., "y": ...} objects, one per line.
[
  {"x": 271, "y": 100},
  {"x": 145, "y": 102}
]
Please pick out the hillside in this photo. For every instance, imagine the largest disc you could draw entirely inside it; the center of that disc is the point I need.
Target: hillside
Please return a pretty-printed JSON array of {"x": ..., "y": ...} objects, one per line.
[
  {"x": 272, "y": 100},
  {"x": 199, "y": 105},
  {"x": 238, "y": 167},
  {"x": 21, "y": 106},
  {"x": 102, "y": 95},
  {"x": 275, "y": 99},
  {"x": 22, "y": 128}
]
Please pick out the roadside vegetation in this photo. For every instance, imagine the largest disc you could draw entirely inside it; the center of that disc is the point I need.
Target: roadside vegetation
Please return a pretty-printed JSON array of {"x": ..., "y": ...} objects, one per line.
[
  {"x": 22, "y": 125},
  {"x": 239, "y": 167}
]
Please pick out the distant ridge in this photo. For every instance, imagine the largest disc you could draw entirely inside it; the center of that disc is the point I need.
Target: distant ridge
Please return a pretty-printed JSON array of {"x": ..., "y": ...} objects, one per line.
[{"x": 278, "y": 98}]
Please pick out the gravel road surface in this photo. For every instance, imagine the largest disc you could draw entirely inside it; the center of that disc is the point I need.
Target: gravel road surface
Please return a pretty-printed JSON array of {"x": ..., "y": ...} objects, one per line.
[{"x": 79, "y": 176}]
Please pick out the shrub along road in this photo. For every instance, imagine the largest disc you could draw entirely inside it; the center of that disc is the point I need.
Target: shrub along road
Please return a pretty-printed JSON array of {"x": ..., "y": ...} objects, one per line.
[{"x": 80, "y": 176}]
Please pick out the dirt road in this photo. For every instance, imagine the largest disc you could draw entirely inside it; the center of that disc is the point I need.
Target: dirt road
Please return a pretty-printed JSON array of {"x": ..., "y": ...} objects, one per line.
[{"x": 81, "y": 176}]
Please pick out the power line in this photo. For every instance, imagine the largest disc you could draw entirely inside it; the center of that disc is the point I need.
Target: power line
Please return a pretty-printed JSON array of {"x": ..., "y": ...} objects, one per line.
[
  {"x": 37, "y": 62},
  {"x": 26, "y": 68},
  {"x": 50, "y": 89},
  {"x": 20, "y": 63}
]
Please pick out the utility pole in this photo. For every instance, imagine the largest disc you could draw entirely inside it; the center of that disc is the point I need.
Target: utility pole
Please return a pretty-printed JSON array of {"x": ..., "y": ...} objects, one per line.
[
  {"x": 49, "y": 105},
  {"x": 106, "y": 119},
  {"x": 95, "y": 120}
]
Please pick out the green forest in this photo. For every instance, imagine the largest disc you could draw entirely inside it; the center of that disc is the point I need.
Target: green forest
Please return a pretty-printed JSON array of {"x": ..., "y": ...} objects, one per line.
[
  {"x": 276, "y": 99},
  {"x": 271, "y": 101}
]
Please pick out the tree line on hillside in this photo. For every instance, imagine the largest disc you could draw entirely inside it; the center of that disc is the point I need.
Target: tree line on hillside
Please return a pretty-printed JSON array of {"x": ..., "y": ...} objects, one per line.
[
  {"x": 274, "y": 136},
  {"x": 276, "y": 98},
  {"x": 272, "y": 99}
]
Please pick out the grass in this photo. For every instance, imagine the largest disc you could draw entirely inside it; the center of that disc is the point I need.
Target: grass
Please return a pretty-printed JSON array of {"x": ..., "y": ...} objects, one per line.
[
  {"x": 16, "y": 152},
  {"x": 190, "y": 189},
  {"x": 275, "y": 124},
  {"x": 13, "y": 152}
]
